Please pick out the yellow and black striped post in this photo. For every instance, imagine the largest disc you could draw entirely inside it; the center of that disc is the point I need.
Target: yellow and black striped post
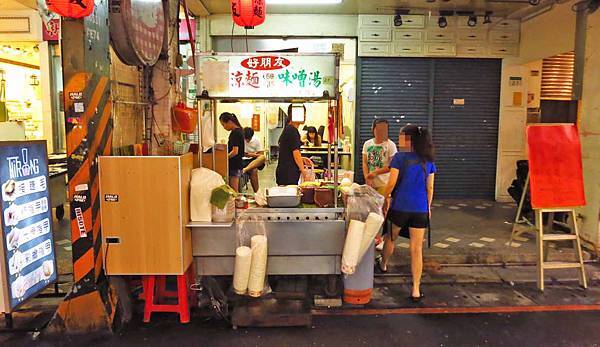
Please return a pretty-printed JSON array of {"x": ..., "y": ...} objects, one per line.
[{"x": 90, "y": 304}]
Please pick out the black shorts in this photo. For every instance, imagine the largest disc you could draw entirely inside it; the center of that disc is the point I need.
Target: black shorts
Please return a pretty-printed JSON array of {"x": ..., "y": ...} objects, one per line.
[{"x": 408, "y": 219}]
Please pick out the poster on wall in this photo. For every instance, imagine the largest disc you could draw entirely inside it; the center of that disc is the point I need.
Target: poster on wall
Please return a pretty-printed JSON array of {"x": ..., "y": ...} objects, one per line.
[
  {"x": 28, "y": 258},
  {"x": 269, "y": 75}
]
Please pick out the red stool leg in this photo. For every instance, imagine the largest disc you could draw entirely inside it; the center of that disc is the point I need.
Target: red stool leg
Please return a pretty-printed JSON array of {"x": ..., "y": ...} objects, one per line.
[
  {"x": 182, "y": 300},
  {"x": 148, "y": 282}
]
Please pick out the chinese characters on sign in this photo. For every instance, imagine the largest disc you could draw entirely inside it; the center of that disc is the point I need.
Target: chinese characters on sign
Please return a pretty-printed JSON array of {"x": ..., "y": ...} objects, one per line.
[
  {"x": 26, "y": 220},
  {"x": 275, "y": 75}
]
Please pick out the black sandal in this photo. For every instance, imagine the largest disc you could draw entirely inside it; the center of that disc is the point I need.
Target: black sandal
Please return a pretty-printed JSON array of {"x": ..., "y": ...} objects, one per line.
[
  {"x": 417, "y": 299},
  {"x": 378, "y": 268}
]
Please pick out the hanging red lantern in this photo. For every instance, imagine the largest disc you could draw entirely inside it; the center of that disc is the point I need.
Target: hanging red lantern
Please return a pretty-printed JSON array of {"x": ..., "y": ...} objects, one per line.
[
  {"x": 71, "y": 8},
  {"x": 248, "y": 13}
]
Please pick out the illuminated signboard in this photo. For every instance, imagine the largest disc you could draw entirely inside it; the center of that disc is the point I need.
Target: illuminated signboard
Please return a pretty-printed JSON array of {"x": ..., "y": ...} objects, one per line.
[
  {"x": 27, "y": 251},
  {"x": 272, "y": 75}
]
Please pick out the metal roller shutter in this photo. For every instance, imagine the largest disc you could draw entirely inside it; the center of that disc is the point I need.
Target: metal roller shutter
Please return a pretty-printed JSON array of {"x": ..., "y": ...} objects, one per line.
[
  {"x": 393, "y": 89},
  {"x": 466, "y": 137}
]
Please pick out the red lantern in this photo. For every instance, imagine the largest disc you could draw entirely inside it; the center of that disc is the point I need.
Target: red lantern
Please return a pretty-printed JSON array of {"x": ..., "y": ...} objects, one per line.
[
  {"x": 71, "y": 8},
  {"x": 248, "y": 13}
]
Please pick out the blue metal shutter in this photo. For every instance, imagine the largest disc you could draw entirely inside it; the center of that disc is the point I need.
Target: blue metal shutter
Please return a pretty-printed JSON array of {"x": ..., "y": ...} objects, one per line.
[
  {"x": 396, "y": 89},
  {"x": 466, "y": 136}
]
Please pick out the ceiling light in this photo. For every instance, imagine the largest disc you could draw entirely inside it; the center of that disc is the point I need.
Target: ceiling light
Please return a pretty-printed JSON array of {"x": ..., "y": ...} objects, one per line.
[
  {"x": 397, "y": 20},
  {"x": 304, "y": 2},
  {"x": 487, "y": 19},
  {"x": 442, "y": 22},
  {"x": 472, "y": 21}
]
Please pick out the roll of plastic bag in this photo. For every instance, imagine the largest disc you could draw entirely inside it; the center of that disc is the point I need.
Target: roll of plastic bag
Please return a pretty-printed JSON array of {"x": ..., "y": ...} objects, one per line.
[
  {"x": 352, "y": 246},
  {"x": 258, "y": 267},
  {"x": 372, "y": 226},
  {"x": 241, "y": 273}
]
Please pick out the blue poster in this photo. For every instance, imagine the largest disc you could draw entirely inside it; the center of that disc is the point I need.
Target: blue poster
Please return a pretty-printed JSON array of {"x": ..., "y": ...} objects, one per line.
[{"x": 26, "y": 215}]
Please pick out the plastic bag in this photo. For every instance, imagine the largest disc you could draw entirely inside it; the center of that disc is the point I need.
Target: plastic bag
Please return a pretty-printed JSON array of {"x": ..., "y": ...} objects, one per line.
[
  {"x": 250, "y": 272},
  {"x": 201, "y": 186},
  {"x": 364, "y": 218},
  {"x": 361, "y": 201}
]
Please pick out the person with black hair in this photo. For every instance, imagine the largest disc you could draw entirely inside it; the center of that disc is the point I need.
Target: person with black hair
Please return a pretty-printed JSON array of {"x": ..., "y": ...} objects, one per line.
[
  {"x": 235, "y": 146},
  {"x": 410, "y": 185},
  {"x": 313, "y": 138},
  {"x": 255, "y": 151},
  {"x": 290, "y": 165},
  {"x": 377, "y": 154}
]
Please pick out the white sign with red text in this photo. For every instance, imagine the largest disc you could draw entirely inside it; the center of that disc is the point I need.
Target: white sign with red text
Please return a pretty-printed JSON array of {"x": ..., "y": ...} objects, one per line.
[{"x": 269, "y": 75}]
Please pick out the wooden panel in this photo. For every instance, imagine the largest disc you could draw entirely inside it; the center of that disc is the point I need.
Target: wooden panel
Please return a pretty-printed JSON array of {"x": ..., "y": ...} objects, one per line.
[
  {"x": 441, "y": 49},
  {"x": 187, "y": 164},
  {"x": 440, "y": 35},
  {"x": 149, "y": 216},
  {"x": 221, "y": 160},
  {"x": 374, "y": 49},
  {"x": 503, "y": 50},
  {"x": 466, "y": 35},
  {"x": 375, "y": 35},
  {"x": 412, "y": 22},
  {"x": 408, "y": 35},
  {"x": 375, "y": 21},
  {"x": 504, "y": 36},
  {"x": 506, "y": 24},
  {"x": 408, "y": 49},
  {"x": 469, "y": 50}
]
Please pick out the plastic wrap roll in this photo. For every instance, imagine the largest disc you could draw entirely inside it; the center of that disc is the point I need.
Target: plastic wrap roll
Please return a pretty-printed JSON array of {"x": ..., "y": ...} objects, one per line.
[
  {"x": 352, "y": 246},
  {"x": 241, "y": 273},
  {"x": 258, "y": 267},
  {"x": 372, "y": 226}
]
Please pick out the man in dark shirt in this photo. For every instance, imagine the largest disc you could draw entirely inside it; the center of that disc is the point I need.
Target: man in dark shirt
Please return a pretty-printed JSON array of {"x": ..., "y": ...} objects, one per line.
[{"x": 289, "y": 166}]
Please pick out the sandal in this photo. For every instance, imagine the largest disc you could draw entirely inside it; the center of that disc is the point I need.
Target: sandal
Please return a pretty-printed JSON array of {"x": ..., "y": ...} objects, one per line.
[
  {"x": 417, "y": 299},
  {"x": 378, "y": 268}
]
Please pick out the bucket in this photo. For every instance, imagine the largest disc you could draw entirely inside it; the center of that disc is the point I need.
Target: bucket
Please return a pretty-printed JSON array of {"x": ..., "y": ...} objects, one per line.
[
  {"x": 358, "y": 287},
  {"x": 224, "y": 215}
]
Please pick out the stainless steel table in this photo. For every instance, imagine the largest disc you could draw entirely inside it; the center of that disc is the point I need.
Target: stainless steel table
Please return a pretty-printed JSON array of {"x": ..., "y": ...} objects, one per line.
[{"x": 301, "y": 241}]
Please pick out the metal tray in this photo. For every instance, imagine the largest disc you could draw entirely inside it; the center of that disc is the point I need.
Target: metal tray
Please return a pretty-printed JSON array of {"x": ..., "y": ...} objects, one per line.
[{"x": 284, "y": 201}]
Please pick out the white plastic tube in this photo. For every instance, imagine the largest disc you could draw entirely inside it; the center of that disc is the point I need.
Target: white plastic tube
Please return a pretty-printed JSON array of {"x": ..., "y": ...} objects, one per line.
[
  {"x": 258, "y": 267},
  {"x": 241, "y": 273},
  {"x": 352, "y": 246},
  {"x": 372, "y": 226}
]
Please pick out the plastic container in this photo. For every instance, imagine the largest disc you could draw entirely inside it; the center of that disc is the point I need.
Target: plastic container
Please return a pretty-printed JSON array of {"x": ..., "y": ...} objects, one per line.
[
  {"x": 224, "y": 215},
  {"x": 358, "y": 287}
]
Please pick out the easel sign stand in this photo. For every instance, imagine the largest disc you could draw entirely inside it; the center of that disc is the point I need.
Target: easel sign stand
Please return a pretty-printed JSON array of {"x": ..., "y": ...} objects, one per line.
[{"x": 556, "y": 183}]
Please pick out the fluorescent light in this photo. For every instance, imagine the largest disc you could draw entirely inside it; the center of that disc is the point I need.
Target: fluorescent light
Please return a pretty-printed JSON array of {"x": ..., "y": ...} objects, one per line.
[{"x": 303, "y": 2}]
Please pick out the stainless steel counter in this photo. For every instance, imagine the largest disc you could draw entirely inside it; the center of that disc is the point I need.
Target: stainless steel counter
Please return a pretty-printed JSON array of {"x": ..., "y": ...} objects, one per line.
[{"x": 301, "y": 241}]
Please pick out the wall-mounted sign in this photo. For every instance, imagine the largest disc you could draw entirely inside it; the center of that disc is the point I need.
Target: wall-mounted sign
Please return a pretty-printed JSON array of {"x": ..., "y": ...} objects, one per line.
[
  {"x": 27, "y": 259},
  {"x": 263, "y": 76}
]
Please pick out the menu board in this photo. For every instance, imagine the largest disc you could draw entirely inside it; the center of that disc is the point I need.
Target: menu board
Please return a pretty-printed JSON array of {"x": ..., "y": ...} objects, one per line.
[
  {"x": 272, "y": 75},
  {"x": 28, "y": 263}
]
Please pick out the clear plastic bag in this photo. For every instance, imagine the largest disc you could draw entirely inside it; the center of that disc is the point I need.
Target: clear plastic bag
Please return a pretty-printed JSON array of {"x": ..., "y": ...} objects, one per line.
[
  {"x": 361, "y": 201},
  {"x": 250, "y": 272}
]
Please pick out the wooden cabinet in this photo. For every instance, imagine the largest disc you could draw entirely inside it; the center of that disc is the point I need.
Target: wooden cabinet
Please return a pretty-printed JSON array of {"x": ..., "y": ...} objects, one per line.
[
  {"x": 375, "y": 21},
  {"x": 411, "y": 35},
  {"x": 374, "y": 49},
  {"x": 376, "y": 35},
  {"x": 144, "y": 208}
]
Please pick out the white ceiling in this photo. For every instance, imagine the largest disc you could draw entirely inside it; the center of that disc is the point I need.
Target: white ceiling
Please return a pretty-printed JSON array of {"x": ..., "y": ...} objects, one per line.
[{"x": 381, "y": 7}]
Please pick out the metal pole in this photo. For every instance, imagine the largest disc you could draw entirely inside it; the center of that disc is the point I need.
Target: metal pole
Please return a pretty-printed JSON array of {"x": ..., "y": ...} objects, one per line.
[
  {"x": 335, "y": 153},
  {"x": 213, "y": 107},
  {"x": 200, "y": 106}
]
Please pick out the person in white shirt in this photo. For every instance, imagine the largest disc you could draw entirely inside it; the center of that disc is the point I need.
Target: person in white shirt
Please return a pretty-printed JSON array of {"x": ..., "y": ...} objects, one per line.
[
  {"x": 376, "y": 157},
  {"x": 253, "y": 150},
  {"x": 377, "y": 154}
]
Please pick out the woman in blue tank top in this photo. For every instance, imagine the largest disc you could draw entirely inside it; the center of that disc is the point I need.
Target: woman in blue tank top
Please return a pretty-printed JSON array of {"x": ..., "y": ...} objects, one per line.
[{"x": 410, "y": 186}]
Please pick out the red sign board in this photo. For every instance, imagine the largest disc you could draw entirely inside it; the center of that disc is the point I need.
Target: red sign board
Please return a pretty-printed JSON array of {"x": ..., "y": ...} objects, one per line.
[
  {"x": 265, "y": 63},
  {"x": 555, "y": 169},
  {"x": 256, "y": 122},
  {"x": 183, "y": 30},
  {"x": 51, "y": 30}
]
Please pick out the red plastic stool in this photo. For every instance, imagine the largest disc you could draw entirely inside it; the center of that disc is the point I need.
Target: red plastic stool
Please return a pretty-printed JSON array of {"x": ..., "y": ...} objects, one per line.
[{"x": 155, "y": 290}]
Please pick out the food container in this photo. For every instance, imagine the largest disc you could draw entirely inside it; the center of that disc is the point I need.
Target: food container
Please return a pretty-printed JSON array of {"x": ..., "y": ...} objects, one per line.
[
  {"x": 308, "y": 195},
  {"x": 241, "y": 202},
  {"x": 324, "y": 197},
  {"x": 287, "y": 197},
  {"x": 224, "y": 215}
]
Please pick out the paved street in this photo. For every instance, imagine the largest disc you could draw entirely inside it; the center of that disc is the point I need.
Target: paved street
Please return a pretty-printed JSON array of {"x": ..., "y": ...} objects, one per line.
[{"x": 520, "y": 329}]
